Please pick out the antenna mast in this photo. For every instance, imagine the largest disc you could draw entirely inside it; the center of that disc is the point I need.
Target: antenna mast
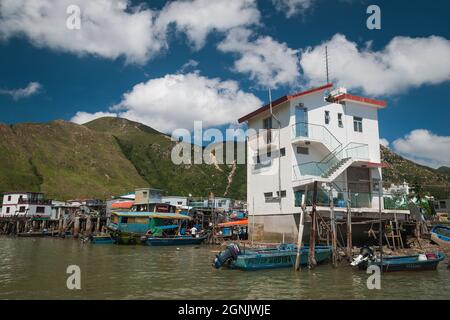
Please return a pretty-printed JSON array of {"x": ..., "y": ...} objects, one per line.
[{"x": 326, "y": 63}]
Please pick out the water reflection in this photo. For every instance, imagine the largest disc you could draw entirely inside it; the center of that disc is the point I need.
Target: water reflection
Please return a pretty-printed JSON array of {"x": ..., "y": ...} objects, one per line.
[{"x": 36, "y": 269}]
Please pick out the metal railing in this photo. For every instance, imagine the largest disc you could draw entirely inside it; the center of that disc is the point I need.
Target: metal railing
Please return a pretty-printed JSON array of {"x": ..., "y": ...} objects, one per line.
[
  {"x": 332, "y": 161},
  {"x": 355, "y": 199},
  {"x": 315, "y": 132}
]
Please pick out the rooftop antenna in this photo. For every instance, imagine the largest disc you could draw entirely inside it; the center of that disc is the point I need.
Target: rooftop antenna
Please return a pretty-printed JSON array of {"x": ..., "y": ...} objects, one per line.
[{"x": 326, "y": 63}]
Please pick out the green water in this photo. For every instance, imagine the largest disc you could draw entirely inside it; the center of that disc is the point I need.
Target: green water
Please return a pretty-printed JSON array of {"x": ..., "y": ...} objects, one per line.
[{"x": 36, "y": 269}]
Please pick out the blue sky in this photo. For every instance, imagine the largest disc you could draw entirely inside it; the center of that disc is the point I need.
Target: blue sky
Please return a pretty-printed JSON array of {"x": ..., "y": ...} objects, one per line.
[{"x": 147, "y": 59}]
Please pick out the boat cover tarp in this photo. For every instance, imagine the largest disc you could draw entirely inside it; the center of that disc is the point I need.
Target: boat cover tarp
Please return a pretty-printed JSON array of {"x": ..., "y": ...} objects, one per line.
[
  {"x": 122, "y": 205},
  {"x": 233, "y": 223},
  {"x": 155, "y": 215}
]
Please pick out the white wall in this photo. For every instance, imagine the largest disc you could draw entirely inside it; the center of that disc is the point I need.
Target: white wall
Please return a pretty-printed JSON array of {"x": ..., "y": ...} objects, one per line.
[{"x": 266, "y": 179}]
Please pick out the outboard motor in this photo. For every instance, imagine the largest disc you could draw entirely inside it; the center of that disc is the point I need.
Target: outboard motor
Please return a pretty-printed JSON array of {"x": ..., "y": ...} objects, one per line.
[
  {"x": 226, "y": 256},
  {"x": 365, "y": 254}
]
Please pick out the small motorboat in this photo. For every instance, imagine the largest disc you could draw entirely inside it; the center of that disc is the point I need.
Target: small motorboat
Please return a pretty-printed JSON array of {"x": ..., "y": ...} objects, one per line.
[
  {"x": 102, "y": 239},
  {"x": 441, "y": 236},
  {"x": 418, "y": 262},
  {"x": 282, "y": 256},
  {"x": 173, "y": 240}
]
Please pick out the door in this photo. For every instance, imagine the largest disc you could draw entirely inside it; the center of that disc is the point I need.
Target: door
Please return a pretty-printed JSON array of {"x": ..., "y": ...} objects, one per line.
[{"x": 301, "y": 121}]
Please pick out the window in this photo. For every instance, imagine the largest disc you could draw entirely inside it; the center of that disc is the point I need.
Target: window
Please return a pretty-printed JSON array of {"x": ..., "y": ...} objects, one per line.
[
  {"x": 268, "y": 194},
  {"x": 267, "y": 123},
  {"x": 442, "y": 204},
  {"x": 302, "y": 150},
  {"x": 327, "y": 117},
  {"x": 357, "y": 124},
  {"x": 124, "y": 220},
  {"x": 179, "y": 202},
  {"x": 282, "y": 152},
  {"x": 283, "y": 193},
  {"x": 22, "y": 209},
  {"x": 40, "y": 209},
  {"x": 340, "y": 123},
  {"x": 9, "y": 198},
  {"x": 8, "y": 209},
  {"x": 144, "y": 193}
]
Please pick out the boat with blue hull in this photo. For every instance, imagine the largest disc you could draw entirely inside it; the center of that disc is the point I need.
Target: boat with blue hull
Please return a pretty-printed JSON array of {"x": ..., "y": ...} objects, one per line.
[
  {"x": 102, "y": 239},
  {"x": 417, "y": 262},
  {"x": 282, "y": 256},
  {"x": 441, "y": 236},
  {"x": 174, "y": 240}
]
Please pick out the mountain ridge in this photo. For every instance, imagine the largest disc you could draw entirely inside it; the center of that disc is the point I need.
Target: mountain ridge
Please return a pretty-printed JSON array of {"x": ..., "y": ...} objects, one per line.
[{"x": 110, "y": 156}]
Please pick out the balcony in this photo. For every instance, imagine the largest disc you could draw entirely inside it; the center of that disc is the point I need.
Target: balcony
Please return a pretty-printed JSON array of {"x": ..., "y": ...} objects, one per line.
[
  {"x": 40, "y": 202},
  {"x": 303, "y": 131}
]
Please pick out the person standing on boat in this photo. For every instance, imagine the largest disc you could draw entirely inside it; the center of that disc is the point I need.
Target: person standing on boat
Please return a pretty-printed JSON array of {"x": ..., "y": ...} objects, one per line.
[{"x": 193, "y": 231}]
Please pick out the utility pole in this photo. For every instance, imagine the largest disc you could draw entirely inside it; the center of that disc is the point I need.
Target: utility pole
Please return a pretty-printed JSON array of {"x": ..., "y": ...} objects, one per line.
[{"x": 326, "y": 63}]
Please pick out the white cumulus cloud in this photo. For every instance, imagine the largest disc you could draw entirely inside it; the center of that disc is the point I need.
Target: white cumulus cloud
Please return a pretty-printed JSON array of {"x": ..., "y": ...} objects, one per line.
[
  {"x": 384, "y": 142},
  {"x": 292, "y": 7},
  {"x": 424, "y": 147},
  {"x": 177, "y": 100},
  {"x": 117, "y": 28},
  {"x": 266, "y": 61},
  {"x": 198, "y": 18},
  {"x": 31, "y": 89},
  {"x": 403, "y": 64},
  {"x": 84, "y": 117},
  {"x": 108, "y": 28}
]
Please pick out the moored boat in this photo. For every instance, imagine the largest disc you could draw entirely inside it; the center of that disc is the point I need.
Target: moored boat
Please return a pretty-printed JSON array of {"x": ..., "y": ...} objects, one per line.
[
  {"x": 129, "y": 227},
  {"x": 417, "y": 262},
  {"x": 102, "y": 239},
  {"x": 174, "y": 240},
  {"x": 441, "y": 236},
  {"x": 282, "y": 256}
]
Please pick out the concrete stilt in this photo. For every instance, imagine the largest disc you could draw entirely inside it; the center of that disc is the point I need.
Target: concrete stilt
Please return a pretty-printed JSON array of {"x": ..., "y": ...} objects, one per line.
[{"x": 76, "y": 227}]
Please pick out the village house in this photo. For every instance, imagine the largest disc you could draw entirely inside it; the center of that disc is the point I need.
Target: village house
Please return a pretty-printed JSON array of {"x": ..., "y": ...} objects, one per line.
[
  {"x": 26, "y": 204},
  {"x": 318, "y": 135}
]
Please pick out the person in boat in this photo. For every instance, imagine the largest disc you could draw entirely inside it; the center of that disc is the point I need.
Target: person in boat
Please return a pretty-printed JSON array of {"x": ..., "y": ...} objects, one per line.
[{"x": 193, "y": 231}]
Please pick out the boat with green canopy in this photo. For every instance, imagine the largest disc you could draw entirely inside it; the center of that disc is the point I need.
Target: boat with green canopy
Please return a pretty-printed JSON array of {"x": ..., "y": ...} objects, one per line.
[{"x": 129, "y": 227}]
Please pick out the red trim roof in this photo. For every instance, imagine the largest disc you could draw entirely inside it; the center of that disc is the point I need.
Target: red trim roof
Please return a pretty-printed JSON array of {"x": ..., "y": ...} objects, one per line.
[
  {"x": 376, "y": 164},
  {"x": 346, "y": 96},
  {"x": 282, "y": 100}
]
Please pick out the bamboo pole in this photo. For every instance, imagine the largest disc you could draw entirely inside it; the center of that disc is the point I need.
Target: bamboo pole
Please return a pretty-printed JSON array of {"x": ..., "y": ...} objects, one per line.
[
  {"x": 349, "y": 229},
  {"x": 301, "y": 226},
  {"x": 312, "y": 237},
  {"x": 333, "y": 229}
]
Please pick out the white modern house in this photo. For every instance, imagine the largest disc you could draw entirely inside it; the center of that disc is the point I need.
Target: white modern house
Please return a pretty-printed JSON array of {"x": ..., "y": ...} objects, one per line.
[
  {"x": 26, "y": 204},
  {"x": 323, "y": 135},
  {"x": 178, "y": 201}
]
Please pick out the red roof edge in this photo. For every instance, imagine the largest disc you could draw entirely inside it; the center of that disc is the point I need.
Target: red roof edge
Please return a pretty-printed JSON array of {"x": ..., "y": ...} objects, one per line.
[
  {"x": 282, "y": 100},
  {"x": 346, "y": 96}
]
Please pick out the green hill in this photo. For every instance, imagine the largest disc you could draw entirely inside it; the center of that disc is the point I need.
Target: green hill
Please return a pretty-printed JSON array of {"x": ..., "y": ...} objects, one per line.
[
  {"x": 433, "y": 181},
  {"x": 105, "y": 157}
]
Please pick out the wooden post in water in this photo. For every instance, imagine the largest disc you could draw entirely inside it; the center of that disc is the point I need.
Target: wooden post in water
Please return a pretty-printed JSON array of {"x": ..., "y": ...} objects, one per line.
[
  {"x": 301, "y": 226},
  {"x": 88, "y": 231},
  {"x": 333, "y": 228},
  {"x": 76, "y": 227},
  {"x": 349, "y": 229},
  {"x": 97, "y": 226},
  {"x": 312, "y": 237}
]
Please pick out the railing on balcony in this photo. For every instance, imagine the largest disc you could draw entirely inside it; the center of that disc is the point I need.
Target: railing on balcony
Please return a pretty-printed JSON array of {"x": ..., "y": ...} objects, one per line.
[
  {"x": 42, "y": 202},
  {"x": 356, "y": 199},
  {"x": 315, "y": 132},
  {"x": 395, "y": 202},
  {"x": 332, "y": 161}
]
